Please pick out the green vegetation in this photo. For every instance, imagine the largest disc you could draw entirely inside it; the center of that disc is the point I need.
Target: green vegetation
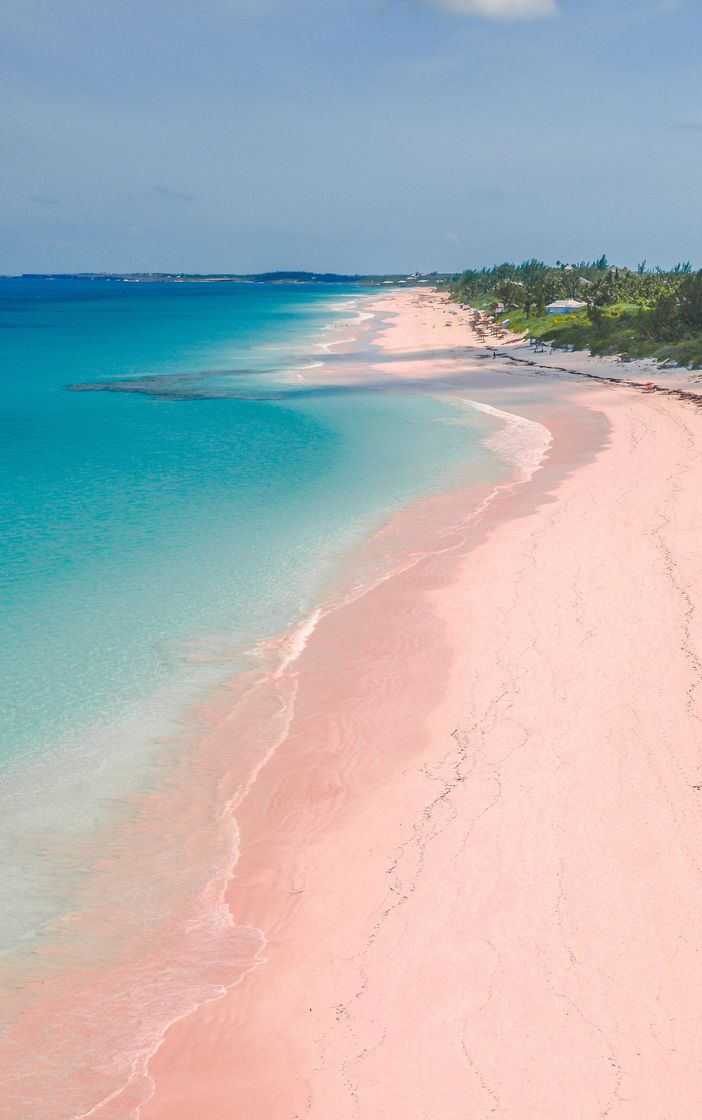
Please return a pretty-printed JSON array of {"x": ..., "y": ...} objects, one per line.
[{"x": 635, "y": 313}]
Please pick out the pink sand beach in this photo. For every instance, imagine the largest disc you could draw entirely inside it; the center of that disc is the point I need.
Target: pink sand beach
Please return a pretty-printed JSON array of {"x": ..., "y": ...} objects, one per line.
[
  {"x": 443, "y": 846},
  {"x": 475, "y": 852}
]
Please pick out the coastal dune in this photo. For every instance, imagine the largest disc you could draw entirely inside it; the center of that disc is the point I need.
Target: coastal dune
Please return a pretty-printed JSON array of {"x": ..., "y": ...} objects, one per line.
[{"x": 475, "y": 856}]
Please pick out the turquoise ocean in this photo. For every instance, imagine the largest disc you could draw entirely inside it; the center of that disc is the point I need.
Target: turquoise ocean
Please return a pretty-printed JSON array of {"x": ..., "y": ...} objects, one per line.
[
  {"x": 177, "y": 484},
  {"x": 131, "y": 523}
]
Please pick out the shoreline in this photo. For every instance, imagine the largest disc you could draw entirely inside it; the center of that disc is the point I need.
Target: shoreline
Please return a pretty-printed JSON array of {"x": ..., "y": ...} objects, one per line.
[
  {"x": 383, "y": 856},
  {"x": 345, "y": 807},
  {"x": 229, "y": 944},
  {"x": 435, "y": 943},
  {"x": 461, "y": 512}
]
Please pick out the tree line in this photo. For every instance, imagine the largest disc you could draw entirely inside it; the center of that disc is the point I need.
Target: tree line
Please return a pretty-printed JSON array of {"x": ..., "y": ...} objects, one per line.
[{"x": 638, "y": 310}]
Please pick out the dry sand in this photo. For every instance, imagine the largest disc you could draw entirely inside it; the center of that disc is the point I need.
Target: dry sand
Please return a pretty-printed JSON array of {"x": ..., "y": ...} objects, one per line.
[{"x": 476, "y": 855}]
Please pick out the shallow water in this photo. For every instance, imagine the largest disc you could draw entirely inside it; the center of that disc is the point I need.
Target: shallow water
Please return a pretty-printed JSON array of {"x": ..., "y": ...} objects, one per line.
[
  {"x": 131, "y": 525},
  {"x": 146, "y": 542}
]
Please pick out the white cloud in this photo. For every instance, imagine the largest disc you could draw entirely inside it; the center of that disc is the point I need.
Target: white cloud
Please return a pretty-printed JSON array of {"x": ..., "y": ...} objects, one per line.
[{"x": 497, "y": 9}]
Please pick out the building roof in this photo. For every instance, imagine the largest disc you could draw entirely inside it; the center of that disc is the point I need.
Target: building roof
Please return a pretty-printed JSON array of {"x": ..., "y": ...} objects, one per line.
[{"x": 567, "y": 303}]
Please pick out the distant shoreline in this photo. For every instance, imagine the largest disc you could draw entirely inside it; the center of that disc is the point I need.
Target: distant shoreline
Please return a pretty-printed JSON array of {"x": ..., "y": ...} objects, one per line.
[{"x": 380, "y": 279}]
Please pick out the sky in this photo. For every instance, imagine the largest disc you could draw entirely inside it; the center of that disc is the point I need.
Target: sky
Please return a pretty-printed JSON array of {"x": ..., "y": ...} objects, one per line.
[{"x": 347, "y": 135}]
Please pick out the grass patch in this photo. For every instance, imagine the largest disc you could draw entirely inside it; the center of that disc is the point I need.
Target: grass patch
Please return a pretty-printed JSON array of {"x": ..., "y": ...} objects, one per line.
[{"x": 623, "y": 329}]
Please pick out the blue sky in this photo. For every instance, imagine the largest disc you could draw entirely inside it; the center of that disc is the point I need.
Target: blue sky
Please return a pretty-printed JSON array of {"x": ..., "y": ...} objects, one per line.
[{"x": 347, "y": 135}]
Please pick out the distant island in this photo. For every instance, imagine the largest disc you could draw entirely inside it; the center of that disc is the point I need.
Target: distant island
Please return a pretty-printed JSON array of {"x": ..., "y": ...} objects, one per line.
[
  {"x": 285, "y": 277},
  {"x": 636, "y": 313}
]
